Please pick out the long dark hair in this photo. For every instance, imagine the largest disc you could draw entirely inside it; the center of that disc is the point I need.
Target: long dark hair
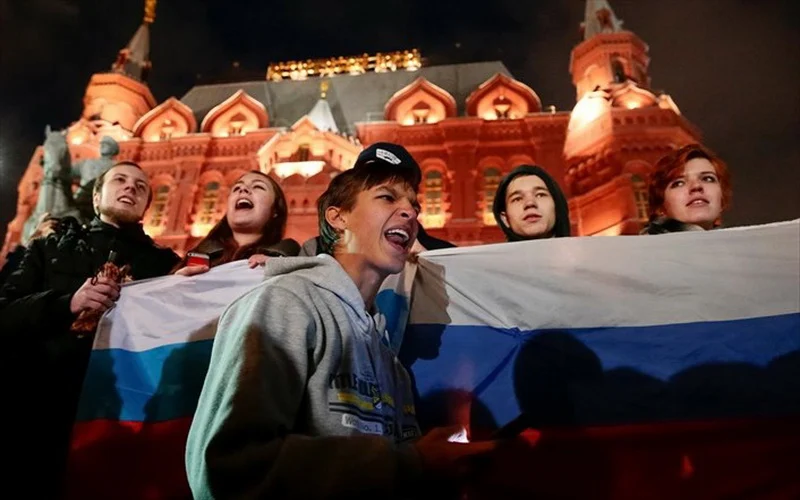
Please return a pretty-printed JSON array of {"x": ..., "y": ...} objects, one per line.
[
  {"x": 220, "y": 237},
  {"x": 562, "y": 226}
]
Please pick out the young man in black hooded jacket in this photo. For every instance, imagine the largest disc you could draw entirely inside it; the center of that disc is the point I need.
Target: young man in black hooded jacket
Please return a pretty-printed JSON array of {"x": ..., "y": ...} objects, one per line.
[
  {"x": 43, "y": 360},
  {"x": 529, "y": 205}
]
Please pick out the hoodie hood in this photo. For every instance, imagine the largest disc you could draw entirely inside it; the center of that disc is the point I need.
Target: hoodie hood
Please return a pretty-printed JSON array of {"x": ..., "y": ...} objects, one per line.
[
  {"x": 561, "y": 227},
  {"x": 324, "y": 272},
  {"x": 311, "y": 247}
]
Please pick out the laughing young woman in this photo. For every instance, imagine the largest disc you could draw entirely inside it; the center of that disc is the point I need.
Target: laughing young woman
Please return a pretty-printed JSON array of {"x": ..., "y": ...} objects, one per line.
[
  {"x": 689, "y": 190},
  {"x": 252, "y": 229}
]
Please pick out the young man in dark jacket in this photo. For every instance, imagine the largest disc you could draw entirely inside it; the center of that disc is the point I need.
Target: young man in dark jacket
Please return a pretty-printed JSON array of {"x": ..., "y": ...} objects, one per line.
[
  {"x": 46, "y": 294},
  {"x": 529, "y": 205}
]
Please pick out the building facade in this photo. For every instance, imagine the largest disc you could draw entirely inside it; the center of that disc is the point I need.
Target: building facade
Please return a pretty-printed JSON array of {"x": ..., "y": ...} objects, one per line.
[{"x": 466, "y": 124}]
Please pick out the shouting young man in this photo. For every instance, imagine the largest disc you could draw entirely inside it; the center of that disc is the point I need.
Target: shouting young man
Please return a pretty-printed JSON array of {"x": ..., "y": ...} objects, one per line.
[{"x": 302, "y": 398}]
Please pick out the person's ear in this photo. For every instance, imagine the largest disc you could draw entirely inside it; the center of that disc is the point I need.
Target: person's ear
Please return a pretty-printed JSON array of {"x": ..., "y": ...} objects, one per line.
[
  {"x": 96, "y": 202},
  {"x": 336, "y": 218},
  {"x": 504, "y": 218}
]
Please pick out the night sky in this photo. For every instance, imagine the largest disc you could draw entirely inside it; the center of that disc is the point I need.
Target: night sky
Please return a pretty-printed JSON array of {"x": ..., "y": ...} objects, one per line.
[{"x": 732, "y": 66}]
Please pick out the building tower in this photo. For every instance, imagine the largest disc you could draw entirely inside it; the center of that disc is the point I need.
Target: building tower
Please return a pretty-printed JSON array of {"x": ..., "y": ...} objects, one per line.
[
  {"x": 618, "y": 129},
  {"x": 115, "y": 100}
]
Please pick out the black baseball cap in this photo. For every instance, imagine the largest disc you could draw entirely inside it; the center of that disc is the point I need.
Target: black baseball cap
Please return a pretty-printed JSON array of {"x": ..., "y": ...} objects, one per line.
[{"x": 389, "y": 154}]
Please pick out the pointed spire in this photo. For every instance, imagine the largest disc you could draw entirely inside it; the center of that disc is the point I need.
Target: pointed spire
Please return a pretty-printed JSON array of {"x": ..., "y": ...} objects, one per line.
[
  {"x": 599, "y": 18},
  {"x": 321, "y": 114},
  {"x": 134, "y": 59},
  {"x": 150, "y": 11}
]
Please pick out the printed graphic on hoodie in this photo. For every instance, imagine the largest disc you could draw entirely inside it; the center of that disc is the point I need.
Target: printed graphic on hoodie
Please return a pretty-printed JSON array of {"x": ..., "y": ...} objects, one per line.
[{"x": 365, "y": 408}]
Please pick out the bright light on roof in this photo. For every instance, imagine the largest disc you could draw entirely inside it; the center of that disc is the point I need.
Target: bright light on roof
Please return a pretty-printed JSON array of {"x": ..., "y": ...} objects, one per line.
[{"x": 304, "y": 168}]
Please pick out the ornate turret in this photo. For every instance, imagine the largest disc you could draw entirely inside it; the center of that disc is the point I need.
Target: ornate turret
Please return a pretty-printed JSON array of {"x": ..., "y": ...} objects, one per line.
[
  {"x": 321, "y": 114},
  {"x": 114, "y": 101},
  {"x": 608, "y": 54},
  {"x": 618, "y": 129}
]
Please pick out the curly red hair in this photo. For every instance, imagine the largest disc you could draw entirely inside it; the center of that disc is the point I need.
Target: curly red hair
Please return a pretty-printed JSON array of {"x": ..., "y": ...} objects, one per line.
[{"x": 671, "y": 166}]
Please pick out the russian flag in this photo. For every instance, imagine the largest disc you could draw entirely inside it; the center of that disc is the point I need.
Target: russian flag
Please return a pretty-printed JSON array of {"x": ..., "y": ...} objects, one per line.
[
  {"x": 651, "y": 367},
  {"x": 145, "y": 373}
]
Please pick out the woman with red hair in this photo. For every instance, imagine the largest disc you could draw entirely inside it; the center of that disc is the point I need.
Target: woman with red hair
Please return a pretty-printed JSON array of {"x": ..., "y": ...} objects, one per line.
[{"x": 689, "y": 190}]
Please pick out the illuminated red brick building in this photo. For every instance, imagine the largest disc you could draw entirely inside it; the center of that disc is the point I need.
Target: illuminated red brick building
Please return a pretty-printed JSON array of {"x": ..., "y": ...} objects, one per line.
[{"x": 466, "y": 124}]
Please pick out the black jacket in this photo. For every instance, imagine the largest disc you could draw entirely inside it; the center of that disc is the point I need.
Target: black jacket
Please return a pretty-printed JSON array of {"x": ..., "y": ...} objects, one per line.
[
  {"x": 562, "y": 225},
  {"x": 34, "y": 302},
  {"x": 13, "y": 258},
  {"x": 47, "y": 362},
  {"x": 431, "y": 242},
  {"x": 664, "y": 225},
  {"x": 214, "y": 250}
]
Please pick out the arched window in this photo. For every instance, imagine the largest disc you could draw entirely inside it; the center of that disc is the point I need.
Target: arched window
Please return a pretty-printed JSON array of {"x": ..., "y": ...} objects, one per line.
[
  {"x": 303, "y": 152},
  {"x": 640, "y": 197},
  {"x": 236, "y": 124},
  {"x": 434, "y": 213},
  {"x": 208, "y": 203},
  {"x": 502, "y": 106},
  {"x": 205, "y": 209},
  {"x": 618, "y": 71},
  {"x": 158, "y": 209},
  {"x": 491, "y": 179},
  {"x": 420, "y": 111},
  {"x": 167, "y": 129}
]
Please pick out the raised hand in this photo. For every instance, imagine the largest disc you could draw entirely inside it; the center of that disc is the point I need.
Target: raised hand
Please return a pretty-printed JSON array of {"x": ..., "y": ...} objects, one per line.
[
  {"x": 443, "y": 457},
  {"x": 96, "y": 294},
  {"x": 191, "y": 270},
  {"x": 256, "y": 260}
]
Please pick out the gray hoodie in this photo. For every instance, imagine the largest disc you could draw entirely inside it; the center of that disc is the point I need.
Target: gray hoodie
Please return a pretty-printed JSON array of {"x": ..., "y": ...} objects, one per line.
[{"x": 302, "y": 399}]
